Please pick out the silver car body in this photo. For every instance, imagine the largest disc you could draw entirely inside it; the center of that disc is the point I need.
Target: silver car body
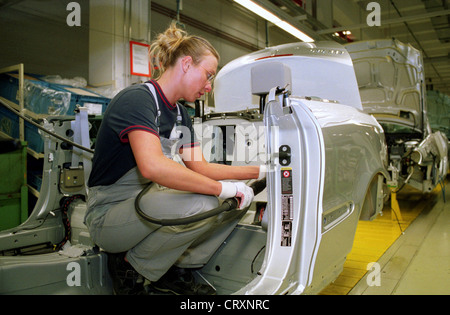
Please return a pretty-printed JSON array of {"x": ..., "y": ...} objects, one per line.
[
  {"x": 336, "y": 166},
  {"x": 391, "y": 82}
]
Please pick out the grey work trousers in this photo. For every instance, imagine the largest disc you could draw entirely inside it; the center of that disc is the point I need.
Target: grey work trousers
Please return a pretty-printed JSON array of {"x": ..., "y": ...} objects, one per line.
[{"x": 152, "y": 249}]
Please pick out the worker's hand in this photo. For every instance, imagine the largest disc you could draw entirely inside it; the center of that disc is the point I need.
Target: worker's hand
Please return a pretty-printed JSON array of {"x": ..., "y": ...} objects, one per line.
[{"x": 239, "y": 190}]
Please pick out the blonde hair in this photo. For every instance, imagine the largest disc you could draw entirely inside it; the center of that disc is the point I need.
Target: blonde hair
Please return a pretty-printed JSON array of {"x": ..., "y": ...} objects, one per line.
[{"x": 173, "y": 44}]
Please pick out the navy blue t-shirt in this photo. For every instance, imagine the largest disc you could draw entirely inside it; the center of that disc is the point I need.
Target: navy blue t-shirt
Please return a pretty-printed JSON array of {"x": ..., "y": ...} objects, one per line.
[{"x": 132, "y": 109}]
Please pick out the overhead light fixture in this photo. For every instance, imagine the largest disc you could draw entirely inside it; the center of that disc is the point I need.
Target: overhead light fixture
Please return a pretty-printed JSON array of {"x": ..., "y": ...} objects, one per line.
[
  {"x": 255, "y": 8},
  {"x": 269, "y": 16},
  {"x": 294, "y": 31}
]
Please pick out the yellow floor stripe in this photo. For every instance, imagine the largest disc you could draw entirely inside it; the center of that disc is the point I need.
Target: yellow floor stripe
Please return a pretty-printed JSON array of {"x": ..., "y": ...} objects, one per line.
[{"x": 372, "y": 239}]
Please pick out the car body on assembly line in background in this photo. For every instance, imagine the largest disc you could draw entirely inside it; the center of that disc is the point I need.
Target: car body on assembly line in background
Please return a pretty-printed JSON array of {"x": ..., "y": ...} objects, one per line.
[{"x": 391, "y": 82}]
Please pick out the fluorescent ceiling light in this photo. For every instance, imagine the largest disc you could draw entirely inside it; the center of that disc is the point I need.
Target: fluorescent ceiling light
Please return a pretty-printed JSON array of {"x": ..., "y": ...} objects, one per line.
[
  {"x": 269, "y": 16},
  {"x": 294, "y": 31},
  {"x": 255, "y": 8}
]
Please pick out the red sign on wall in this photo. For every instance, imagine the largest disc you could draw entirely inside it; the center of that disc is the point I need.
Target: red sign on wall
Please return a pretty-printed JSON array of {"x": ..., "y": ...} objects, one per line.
[{"x": 139, "y": 59}]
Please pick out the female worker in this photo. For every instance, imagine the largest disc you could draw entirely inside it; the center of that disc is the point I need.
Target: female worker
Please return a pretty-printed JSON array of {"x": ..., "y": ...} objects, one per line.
[{"x": 142, "y": 128}]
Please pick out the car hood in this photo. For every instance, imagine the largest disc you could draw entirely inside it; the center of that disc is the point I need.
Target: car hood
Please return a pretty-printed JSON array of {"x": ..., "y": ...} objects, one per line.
[{"x": 390, "y": 78}]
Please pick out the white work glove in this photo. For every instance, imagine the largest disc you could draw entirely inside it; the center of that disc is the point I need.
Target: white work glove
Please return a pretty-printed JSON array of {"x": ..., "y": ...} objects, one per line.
[
  {"x": 262, "y": 171},
  {"x": 242, "y": 192}
]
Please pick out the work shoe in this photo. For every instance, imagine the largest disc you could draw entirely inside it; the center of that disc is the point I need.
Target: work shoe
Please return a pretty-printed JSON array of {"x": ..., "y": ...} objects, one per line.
[
  {"x": 126, "y": 280},
  {"x": 180, "y": 281}
]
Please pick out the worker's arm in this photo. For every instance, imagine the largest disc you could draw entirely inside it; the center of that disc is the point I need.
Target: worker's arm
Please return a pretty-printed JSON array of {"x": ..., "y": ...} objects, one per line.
[
  {"x": 155, "y": 166},
  {"x": 194, "y": 160}
]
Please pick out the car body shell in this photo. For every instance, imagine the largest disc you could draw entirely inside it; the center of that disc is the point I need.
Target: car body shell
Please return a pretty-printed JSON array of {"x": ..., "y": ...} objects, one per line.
[
  {"x": 338, "y": 158},
  {"x": 391, "y": 82}
]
